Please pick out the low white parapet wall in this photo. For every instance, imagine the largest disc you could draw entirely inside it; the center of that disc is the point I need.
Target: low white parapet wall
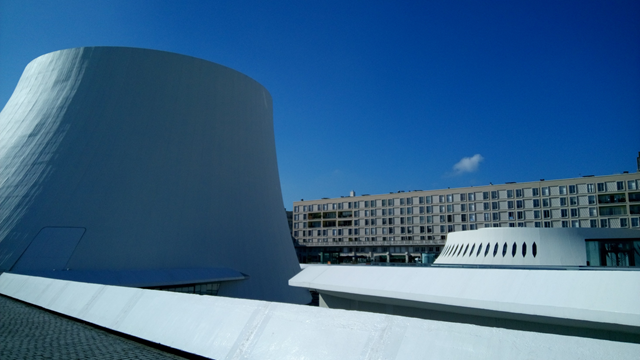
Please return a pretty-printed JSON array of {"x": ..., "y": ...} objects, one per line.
[{"x": 228, "y": 328}]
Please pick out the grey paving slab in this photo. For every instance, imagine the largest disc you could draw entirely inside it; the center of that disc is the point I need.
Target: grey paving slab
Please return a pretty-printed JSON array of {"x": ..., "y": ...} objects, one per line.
[{"x": 27, "y": 332}]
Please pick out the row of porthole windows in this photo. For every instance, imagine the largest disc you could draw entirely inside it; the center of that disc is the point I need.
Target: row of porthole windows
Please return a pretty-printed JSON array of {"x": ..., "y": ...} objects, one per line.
[{"x": 461, "y": 249}]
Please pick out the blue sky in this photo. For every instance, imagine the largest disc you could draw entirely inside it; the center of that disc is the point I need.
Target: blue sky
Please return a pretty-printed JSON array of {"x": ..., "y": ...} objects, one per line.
[{"x": 382, "y": 96}]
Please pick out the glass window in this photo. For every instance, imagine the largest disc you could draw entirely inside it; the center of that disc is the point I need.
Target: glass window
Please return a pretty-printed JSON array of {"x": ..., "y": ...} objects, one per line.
[
  {"x": 472, "y": 196},
  {"x": 591, "y": 188},
  {"x": 535, "y": 192},
  {"x": 449, "y": 198},
  {"x": 441, "y": 198},
  {"x": 494, "y": 205},
  {"x": 487, "y": 217},
  {"x": 485, "y": 206},
  {"x": 574, "y": 212},
  {"x": 631, "y": 185},
  {"x": 463, "y": 197},
  {"x": 485, "y": 195},
  {"x": 545, "y": 191},
  {"x": 510, "y": 204},
  {"x": 494, "y": 195},
  {"x": 572, "y": 189},
  {"x": 620, "y": 185},
  {"x": 601, "y": 187},
  {"x": 518, "y": 192},
  {"x": 564, "y": 213},
  {"x": 472, "y": 207},
  {"x": 519, "y": 204},
  {"x": 563, "y": 201},
  {"x": 592, "y": 199},
  {"x": 463, "y": 207},
  {"x": 573, "y": 201},
  {"x": 536, "y": 214},
  {"x": 509, "y": 194},
  {"x": 536, "y": 203},
  {"x": 563, "y": 190}
]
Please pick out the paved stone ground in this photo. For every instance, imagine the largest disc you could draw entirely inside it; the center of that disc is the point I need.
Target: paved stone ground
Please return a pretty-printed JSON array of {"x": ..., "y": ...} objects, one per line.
[{"x": 27, "y": 332}]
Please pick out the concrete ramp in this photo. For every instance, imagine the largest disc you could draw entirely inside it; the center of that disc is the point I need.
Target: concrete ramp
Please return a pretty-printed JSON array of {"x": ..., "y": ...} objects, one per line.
[{"x": 228, "y": 328}]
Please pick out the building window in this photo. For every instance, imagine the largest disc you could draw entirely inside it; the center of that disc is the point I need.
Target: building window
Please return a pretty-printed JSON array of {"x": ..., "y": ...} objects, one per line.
[
  {"x": 487, "y": 217},
  {"x": 536, "y": 203},
  {"x": 510, "y": 204},
  {"x": 593, "y": 223},
  {"x": 604, "y": 223},
  {"x": 563, "y": 201},
  {"x": 572, "y": 189},
  {"x": 620, "y": 185},
  {"x": 441, "y": 198},
  {"x": 536, "y": 214},
  {"x": 547, "y": 224},
  {"x": 494, "y": 195},
  {"x": 496, "y": 216},
  {"x": 574, "y": 212},
  {"x": 564, "y": 213},
  {"x": 520, "y": 215},
  {"x": 592, "y": 199},
  {"x": 449, "y": 198},
  {"x": 545, "y": 191},
  {"x": 537, "y": 224},
  {"x": 486, "y": 206},
  {"x": 519, "y": 204},
  {"x": 565, "y": 224},
  {"x": 472, "y": 217},
  {"x": 518, "y": 193},
  {"x": 546, "y": 214},
  {"x": 463, "y": 207},
  {"x": 509, "y": 194},
  {"x": 593, "y": 212},
  {"x": 471, "y": 196},
  {"x": 511, "y": 215},
  {"x": 472, "y": 207},
  {"x": 485, "y": 195},
  {"x": 573, "y": 201},
  {"x": 631, "y": 185},
  {"x": 601, "y": 187},
  {"x": 590, "y": 188},
  {"x": 535, "y": 192},
  {"x": 463, "y": 197},
  {"x": 562, "y": 190}
]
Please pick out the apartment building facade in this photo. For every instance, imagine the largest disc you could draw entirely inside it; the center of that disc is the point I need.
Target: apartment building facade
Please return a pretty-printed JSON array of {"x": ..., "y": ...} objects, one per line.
[{"x": 412, "y": 226}]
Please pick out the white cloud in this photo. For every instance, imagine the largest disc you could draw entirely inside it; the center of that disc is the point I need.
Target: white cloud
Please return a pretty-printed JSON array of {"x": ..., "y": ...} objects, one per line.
[{"x": 467, "y": 164}]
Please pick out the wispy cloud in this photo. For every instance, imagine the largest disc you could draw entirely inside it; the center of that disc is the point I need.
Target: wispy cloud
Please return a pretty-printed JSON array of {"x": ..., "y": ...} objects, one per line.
[{"x": 467, "y": 164}]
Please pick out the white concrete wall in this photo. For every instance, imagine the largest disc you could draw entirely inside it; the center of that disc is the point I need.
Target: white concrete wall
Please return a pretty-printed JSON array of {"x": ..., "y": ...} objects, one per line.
[
  {"x": 603, "y": 297},
  {"x": 555, "y": 247},
  {"x": 167, "y": 161},
  {"x": 226, "y": 328}
]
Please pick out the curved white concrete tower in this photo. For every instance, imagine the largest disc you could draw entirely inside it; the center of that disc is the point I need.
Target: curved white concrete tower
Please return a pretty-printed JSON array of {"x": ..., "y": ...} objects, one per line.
[{"x": 123, "y": 159}]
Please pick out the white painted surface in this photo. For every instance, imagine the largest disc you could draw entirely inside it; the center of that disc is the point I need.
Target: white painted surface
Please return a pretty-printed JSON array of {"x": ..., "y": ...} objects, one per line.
[
  {"x": 555, "y": 247},
  {"x": 607, "y": 297},
  {"x": 227, "y": 328},
  {"x": 156, "y": 155}
]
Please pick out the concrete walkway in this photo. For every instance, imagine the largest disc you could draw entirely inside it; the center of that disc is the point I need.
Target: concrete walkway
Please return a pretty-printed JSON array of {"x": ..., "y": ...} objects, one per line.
[{"x": 27, "y": 332}]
